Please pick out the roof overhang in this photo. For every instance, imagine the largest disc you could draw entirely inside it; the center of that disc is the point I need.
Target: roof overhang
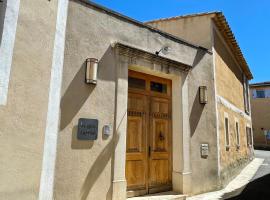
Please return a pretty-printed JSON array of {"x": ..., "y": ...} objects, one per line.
[
  {"x": 262, "y": 84},
  {"x": 225, "y": 30}
]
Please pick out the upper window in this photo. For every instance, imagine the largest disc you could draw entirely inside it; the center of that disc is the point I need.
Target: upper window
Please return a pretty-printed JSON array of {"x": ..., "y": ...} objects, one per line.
[
  {"x": 136, "y": 83},
  {"x": 227, "y": 135},
  {"x": 249, "y": 136},
  {"x": 261, "y": 93},
  {"x": 237, "y": 134},
  {"x": 149, "y": 84},
  {"x": 246, "y": 94},
  {"x": 158, "y": 87}
]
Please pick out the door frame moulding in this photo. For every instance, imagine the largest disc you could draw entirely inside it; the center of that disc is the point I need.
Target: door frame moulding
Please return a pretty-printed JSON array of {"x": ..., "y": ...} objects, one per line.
[
  {"x": 181, "y": 169},
  {"x": 148, "y": 119}
]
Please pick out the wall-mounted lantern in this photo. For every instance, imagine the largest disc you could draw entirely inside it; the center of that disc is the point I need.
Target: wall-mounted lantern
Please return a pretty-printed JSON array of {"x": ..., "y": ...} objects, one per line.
[
  {"x": 203, "y": 94},
  {"x": 91, "y": 71}
]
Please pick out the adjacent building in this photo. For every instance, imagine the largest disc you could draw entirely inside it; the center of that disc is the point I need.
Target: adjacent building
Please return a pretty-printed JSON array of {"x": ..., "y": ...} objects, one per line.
[
  {"x": 260, "y": 104},
  {"x": 96, "y": 105},
  {"x": 230, "y": 84}
]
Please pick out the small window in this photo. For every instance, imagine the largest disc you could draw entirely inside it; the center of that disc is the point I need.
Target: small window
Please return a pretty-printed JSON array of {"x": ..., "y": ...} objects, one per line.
[
  {"x": 237, "y": 134},
  {"x": 158, "y": 87},
  {"x": 260, "y": 94},
  {"x": 249, "y": 136},
  {"x": 227, "y": 135},
  {"x": 246, "y": 94},
  {"x": 136, "y": 83}
]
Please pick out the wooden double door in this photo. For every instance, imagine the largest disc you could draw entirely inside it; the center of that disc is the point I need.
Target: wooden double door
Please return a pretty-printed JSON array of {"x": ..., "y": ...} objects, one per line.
[{"x": 148, "y": 153}]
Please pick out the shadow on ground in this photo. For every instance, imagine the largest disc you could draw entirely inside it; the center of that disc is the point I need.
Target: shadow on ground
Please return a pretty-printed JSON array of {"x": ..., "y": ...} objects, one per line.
[{"x": 259, "y": 189}]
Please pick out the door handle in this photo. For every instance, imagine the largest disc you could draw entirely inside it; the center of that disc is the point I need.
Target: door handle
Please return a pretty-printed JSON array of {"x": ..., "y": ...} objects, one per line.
[{"x": 149, "y": 151}]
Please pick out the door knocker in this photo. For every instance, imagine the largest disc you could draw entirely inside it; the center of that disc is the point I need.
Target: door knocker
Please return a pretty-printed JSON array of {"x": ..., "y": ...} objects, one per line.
[{"x": 161, "y": 136}]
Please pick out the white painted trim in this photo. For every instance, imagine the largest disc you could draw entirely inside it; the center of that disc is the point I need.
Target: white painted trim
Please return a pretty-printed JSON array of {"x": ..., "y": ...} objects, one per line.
[
  {"x": 120, "y": 133},
  {"x": 7, "y": 46},
  {"x": 232, "y": 107},
  {"x": 215, "y": 93},
  {"x": 50, "y": 144}
]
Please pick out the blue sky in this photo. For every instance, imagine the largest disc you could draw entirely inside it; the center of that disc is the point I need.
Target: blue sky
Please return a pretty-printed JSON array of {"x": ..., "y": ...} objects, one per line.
[{"x": 249, "y": 20}]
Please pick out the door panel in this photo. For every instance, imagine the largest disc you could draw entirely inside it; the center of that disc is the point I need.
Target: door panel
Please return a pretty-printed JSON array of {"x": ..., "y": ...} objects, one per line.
[
  {"x": 160, "y": 143},
  {"x": 160, "y": 131},
  {"x": 136, "y": 166},
  {"x": 148, "y": 144}
]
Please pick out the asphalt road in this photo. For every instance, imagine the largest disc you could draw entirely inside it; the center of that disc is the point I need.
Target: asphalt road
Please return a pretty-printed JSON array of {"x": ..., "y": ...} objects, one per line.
[{"x": 259, "y": 187}]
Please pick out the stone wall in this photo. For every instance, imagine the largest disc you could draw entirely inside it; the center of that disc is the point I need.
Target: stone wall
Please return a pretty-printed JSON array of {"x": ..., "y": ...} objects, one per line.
[
  {"x": 229, "y": 87},
  {"x": 233, "y": 158}
]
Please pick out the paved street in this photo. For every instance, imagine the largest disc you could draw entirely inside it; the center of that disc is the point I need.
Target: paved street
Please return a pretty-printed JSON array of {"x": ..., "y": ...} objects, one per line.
[{"x": 259, "y": 187}]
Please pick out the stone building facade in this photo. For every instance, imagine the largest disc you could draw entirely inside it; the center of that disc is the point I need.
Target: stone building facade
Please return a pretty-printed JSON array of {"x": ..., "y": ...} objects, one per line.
[
  {"x": 260, "y": 104},
  {"x": 158, "y": 127},
  {"x": 231, "y": 75}
]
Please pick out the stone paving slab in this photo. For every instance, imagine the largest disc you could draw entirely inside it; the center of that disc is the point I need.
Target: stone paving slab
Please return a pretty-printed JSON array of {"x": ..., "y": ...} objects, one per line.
[{"x": 236, "y": 186}]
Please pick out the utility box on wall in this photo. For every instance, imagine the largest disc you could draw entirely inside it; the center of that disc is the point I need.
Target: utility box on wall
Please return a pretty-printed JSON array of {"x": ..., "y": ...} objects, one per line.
[{"x": 204, "y": 150}]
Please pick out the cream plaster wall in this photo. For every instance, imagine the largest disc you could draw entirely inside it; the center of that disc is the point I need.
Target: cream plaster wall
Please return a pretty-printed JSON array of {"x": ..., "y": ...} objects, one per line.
[
  {"x": 87, "y": 167},
  {"x": 260, "y": 118},
  {"x": 195, "y": 29},
  {"x": 23, "y": 118},
  {"x": 203, "y": 128}
]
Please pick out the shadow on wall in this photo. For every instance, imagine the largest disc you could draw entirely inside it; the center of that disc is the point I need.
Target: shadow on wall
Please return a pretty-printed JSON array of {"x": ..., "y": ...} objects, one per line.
[
  {"x": 196, "y": 113},
  {"x": 78, "y": 91},
  {"x": 197, "y": 108},
  {"x": 80, "y": 144},
  {"x": 97, "y": 168},
  {"x": 199, "y": 56},
  {"x": 100, "y": 163},
  {"x": 74, "y": 97}
]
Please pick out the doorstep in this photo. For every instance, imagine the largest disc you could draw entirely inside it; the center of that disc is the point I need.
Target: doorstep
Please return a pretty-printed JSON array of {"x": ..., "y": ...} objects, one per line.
[{"x": 161, "y": 196}]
